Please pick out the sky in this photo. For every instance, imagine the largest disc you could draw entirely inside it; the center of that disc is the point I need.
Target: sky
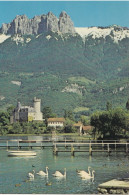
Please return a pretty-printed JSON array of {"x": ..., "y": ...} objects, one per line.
[{"x": 82, "y": 13}]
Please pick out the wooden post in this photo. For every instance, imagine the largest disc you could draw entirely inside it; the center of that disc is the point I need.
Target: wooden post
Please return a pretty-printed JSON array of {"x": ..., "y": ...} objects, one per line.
[
  {"x": 78, "y": 145},
  {"x": 55, "y": 150},
  {"x": 7, "y": 145},
  {"x": 72, "y": 150},
  {"x": 90, "y": 149},
  {"x": 126, "y": 148},
  {"x": 42, "y": 145},
  {"x": 108, "y": 149},
  {"x": 65, "y": 142},
  {"x": 115, "y": 145},
  {"x": 18, "y": 145},
  {"x": 102, "y": 144}
]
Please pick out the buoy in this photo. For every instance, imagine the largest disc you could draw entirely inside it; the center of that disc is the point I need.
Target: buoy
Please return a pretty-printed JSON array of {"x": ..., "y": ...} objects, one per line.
[
  {"x": 48, "y": 184},
  {"x": 17, "y": 185},
  {"x": 27, "y": 180}
]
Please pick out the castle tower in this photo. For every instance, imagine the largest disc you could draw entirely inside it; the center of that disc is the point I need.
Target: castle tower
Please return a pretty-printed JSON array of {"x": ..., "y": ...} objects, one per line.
[{"x": 37, "y": 108}]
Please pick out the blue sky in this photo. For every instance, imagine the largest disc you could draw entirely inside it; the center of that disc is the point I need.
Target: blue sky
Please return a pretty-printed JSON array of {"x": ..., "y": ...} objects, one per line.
[{"x": 82, "y": 13}]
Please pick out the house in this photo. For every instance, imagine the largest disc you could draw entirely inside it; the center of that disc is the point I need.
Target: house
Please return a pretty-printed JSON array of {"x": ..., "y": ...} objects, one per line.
[
  {"x": 55, "y": 122},
  {"x": 78, "y": 126},
  {"x": 82, "y": 130},
  {"x": 86, "y": 129}
]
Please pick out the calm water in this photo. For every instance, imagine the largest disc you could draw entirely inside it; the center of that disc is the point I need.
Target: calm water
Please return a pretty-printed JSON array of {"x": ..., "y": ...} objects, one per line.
[{"x": 13, "y": 170}]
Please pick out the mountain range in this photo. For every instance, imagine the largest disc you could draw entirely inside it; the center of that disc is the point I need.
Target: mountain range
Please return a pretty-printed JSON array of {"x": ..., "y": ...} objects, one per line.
[{"x": 67, "y": 67}]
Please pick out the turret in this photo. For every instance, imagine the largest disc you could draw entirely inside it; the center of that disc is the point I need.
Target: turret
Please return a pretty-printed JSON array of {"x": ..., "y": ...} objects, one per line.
[
  {"x": 37, "y": 104},
  {"x": 37, "y": 108}
]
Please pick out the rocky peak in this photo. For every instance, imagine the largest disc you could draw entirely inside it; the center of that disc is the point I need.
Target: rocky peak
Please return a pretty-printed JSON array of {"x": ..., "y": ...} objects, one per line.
[
  {"x": 63, "y": 14},
  {"x": 65, "y": 23},
  {"x": 39, "y": 24}
]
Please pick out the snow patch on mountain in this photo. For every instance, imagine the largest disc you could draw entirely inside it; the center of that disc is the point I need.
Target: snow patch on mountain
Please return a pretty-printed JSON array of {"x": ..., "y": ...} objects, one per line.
[
  {"x": 28, "y": 40},
  {"x": 117, "y": 34},
  {"x": 3, "y": 37},
  {"x": 38, "y": 36},
  {"x": 18, "y": 39},
  {"x": 48, "y": 37}
]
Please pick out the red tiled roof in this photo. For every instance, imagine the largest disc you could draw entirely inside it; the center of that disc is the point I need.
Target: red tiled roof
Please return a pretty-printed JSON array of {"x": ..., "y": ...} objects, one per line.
[
  {"x": 86, "y": 128},
  {"x": 56, "y": 120}
]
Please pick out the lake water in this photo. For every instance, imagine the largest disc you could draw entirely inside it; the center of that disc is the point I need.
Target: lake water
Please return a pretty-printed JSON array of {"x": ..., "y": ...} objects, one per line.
[{"x": 13, "y": 170}]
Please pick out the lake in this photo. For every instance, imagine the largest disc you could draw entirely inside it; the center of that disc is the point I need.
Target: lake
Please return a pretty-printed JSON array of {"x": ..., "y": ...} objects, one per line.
[{"x": 13, "y": 170}]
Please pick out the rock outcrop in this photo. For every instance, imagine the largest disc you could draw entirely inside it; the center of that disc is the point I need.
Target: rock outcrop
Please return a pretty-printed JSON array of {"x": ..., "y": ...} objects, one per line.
[{"x": 39, "y": 24}]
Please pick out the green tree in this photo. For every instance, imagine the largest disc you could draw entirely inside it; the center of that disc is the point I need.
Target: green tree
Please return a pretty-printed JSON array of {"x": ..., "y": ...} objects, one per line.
[
  {"x": 17, "y": 129},
  {"x": 68, "y": 114},
  {"x": 84, "y": 120},
  {"x": 95, "y": 122},
  {"x": 109, "y": 123},
  {"x": 10, "y": 109},
  {"x": 119, "y": 122},
  {"x": 47, "y": 113},
  {"x": 127, "y": 105},
  {"x": 4, "y": 118},
  {"x": 108, "y": 106},
  {"x": 68, "y": 127}
]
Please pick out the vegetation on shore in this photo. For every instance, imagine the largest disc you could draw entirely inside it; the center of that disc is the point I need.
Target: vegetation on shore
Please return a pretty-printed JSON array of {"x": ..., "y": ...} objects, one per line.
[{"x": 113, "y": 123}]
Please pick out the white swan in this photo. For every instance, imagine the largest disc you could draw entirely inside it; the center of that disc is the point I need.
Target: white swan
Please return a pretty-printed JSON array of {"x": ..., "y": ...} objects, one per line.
[
  {"x": 86, "y": 176},
  {"x": 59, "y": 174},
  {"x": 31, "y": 175},
  {"x": 84, "y": 172},
  {"x": 42, "y": 173}
]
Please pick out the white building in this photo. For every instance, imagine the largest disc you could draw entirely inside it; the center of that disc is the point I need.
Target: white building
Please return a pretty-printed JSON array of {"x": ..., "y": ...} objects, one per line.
[{"x": 55, "y": 122}]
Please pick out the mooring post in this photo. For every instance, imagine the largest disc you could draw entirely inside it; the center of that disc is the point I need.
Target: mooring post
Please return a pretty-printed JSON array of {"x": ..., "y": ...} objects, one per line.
[
  {"x": 126, "y": 148},
  {"x": 72, "y": 150},
  {"x": 65, "y": 142},
  {"x": 78, "y": 146},
  {"x": 7, "y": 145},
  {"x": 18, "y": 145},
  {"x": 90, "y": 149},
  {"x": 102, "y": 144},
  {"x": 55, "y": 150},
  {"x": 42, "y": 147},
  {"x": 108, "y": 149},
  {"x": 115, "y": 145}
]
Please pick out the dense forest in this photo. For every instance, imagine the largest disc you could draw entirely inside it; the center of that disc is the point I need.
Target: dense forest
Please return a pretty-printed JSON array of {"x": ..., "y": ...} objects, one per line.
[{"x": 65, "y": 72}]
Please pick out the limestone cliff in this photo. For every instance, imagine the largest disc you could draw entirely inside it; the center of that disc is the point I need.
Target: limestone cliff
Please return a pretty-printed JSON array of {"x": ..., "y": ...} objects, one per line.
[{"x": 39, "y": 24}]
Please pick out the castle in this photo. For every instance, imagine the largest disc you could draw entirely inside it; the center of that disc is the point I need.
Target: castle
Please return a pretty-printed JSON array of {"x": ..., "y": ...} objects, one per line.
[{"x": 27, "y": 113}]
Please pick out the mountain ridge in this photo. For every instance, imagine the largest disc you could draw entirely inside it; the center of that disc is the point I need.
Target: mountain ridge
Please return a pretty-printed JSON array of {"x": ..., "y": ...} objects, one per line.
[{"x": 39, "y": 24}]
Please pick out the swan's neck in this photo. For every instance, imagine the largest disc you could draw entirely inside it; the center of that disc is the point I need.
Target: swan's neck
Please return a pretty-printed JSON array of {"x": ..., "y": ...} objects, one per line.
[
  {"x": 46, "y": 170},
  {"x": 93, "y": 174},
  {"x": 65, "y": 173},
  {"x": 89, "y": 171}
]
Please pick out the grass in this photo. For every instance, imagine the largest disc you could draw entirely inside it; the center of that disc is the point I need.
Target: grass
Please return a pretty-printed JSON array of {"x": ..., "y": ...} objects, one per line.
[
  {"x": 80, "y": 109},
  {"x": 81, "y": 80}
]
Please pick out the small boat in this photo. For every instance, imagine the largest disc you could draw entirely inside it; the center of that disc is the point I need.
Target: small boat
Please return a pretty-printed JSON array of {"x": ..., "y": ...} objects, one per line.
[
  {"x": 21, "y": 153},
  {"x": 16, "y": 140}
]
